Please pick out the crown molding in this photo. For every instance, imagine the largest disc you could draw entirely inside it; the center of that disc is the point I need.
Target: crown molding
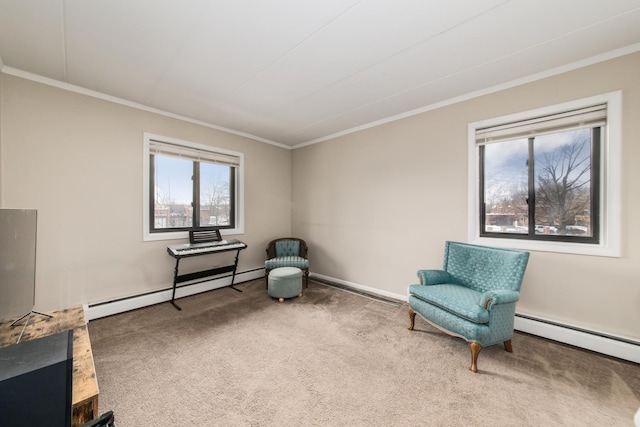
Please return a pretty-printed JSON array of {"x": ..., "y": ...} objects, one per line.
[
  {"x": 465, "y": 97},
  {"x": 99, "y": 95},
  {"x": 482, "y": 92}
]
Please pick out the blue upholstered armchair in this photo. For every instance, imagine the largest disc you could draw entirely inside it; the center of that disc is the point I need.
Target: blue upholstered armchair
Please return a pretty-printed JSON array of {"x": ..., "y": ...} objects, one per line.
[
  {"x": 473, "y": 297},
  {"x": 287, "y": 252}
]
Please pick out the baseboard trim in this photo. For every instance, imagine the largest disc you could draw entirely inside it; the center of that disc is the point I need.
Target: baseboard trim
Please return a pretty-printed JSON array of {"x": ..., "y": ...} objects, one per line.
[
  {"x": 359, "y": 287},
  {"x": 108, "y": 308},
  {"x": 616, "y": 346}
]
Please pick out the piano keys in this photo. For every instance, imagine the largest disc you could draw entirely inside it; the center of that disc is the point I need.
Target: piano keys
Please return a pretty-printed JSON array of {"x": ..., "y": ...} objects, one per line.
[{"x": 192, "y": 249}]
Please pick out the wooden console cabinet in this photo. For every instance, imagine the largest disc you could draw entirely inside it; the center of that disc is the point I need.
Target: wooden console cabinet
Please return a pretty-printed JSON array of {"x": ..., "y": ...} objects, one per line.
[{"x": 85, "y": 384}]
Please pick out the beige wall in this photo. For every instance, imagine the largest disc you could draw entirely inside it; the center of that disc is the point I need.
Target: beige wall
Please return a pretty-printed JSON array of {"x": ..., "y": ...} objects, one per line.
[
  {"x": 1, "y": 102},
  {"x": 78, "y": 160},
  {"x": 377, "y": 205}
]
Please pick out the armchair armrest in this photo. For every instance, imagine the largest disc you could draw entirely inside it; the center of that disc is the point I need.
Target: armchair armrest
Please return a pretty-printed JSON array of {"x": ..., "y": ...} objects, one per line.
[
  {"x": 433, "y": 277},
  {"x": 498, "y": 296}
]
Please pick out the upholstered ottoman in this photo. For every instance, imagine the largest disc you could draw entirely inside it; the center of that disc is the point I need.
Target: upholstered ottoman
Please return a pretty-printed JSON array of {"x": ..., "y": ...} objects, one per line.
[{"x": 285, "y": 282}]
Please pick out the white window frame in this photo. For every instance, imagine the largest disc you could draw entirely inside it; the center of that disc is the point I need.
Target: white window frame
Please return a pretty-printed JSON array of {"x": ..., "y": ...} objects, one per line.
[
  {"x": 172, "y": 235},
  {"x": 610, "y": 188}
]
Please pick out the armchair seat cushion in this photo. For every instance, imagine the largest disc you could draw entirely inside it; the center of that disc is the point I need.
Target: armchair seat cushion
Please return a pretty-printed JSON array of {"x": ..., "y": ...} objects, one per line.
[
  {"x": 287, "y": 261},
  {"x": 456, "y": 299}
]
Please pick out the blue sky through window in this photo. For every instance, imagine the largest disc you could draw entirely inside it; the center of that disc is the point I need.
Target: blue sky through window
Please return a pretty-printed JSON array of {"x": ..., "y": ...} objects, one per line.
[{"x": 173, "y": 179}]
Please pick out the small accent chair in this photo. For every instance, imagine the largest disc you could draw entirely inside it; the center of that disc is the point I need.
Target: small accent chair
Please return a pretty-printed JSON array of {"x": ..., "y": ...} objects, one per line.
[
  {"x": 473, "y": 297},
  {"x": 287, "y": 252}
]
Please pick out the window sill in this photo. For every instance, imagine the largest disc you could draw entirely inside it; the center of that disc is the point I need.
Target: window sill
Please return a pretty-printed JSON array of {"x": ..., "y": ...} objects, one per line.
[{"x": 558, "y": 247}]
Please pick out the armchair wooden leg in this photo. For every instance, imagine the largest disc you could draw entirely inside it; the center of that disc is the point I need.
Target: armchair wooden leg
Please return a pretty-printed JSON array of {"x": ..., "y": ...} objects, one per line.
[
  {"x": 507, "y": 346},
  {"x": 475, "y": 351},
  {"x": 412, "y": 319}
]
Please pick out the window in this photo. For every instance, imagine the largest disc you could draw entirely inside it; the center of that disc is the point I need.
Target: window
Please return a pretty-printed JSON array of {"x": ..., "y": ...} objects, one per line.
[
  {"x": 189, "y": 185},
  {"x": 548, "y": 179}
]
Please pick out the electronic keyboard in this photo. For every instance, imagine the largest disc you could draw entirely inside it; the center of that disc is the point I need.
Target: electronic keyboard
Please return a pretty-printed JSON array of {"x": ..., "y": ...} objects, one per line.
[{"x": 191, "y": 249}]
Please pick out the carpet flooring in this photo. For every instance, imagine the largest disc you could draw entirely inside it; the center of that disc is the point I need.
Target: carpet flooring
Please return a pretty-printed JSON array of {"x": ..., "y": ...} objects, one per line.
[{"x": 332, "y": 358}]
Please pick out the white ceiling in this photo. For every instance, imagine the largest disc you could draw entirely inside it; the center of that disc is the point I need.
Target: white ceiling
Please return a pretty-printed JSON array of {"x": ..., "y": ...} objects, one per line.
[{"x": 297, "y": 71}]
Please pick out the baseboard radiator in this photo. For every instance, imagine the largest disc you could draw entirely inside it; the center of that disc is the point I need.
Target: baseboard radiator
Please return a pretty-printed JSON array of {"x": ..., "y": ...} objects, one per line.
[
  {"x": 108, "y": 308},
  {"x": 616, "y": 346}
]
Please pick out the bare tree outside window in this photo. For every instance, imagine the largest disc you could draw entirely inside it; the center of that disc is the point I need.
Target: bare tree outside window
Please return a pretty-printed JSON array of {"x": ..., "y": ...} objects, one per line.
[
  {"x": 563, "y": 178},
  {"x": 548, "y": 179},
  {"x": 506, "y": 187},
  {"x": 540, "y": 186},
  {"x": 215, "y": 195}
]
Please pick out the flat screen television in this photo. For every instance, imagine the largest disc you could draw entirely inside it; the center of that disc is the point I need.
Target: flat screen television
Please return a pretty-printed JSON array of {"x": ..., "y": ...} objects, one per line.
[
  {"x": 36, "y": 382},
  {"x": 18, "y": 230}
]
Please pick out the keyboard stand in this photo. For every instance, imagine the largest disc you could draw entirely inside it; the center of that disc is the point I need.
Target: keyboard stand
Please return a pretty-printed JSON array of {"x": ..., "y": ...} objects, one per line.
[{"x": 190, "y": 277}]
